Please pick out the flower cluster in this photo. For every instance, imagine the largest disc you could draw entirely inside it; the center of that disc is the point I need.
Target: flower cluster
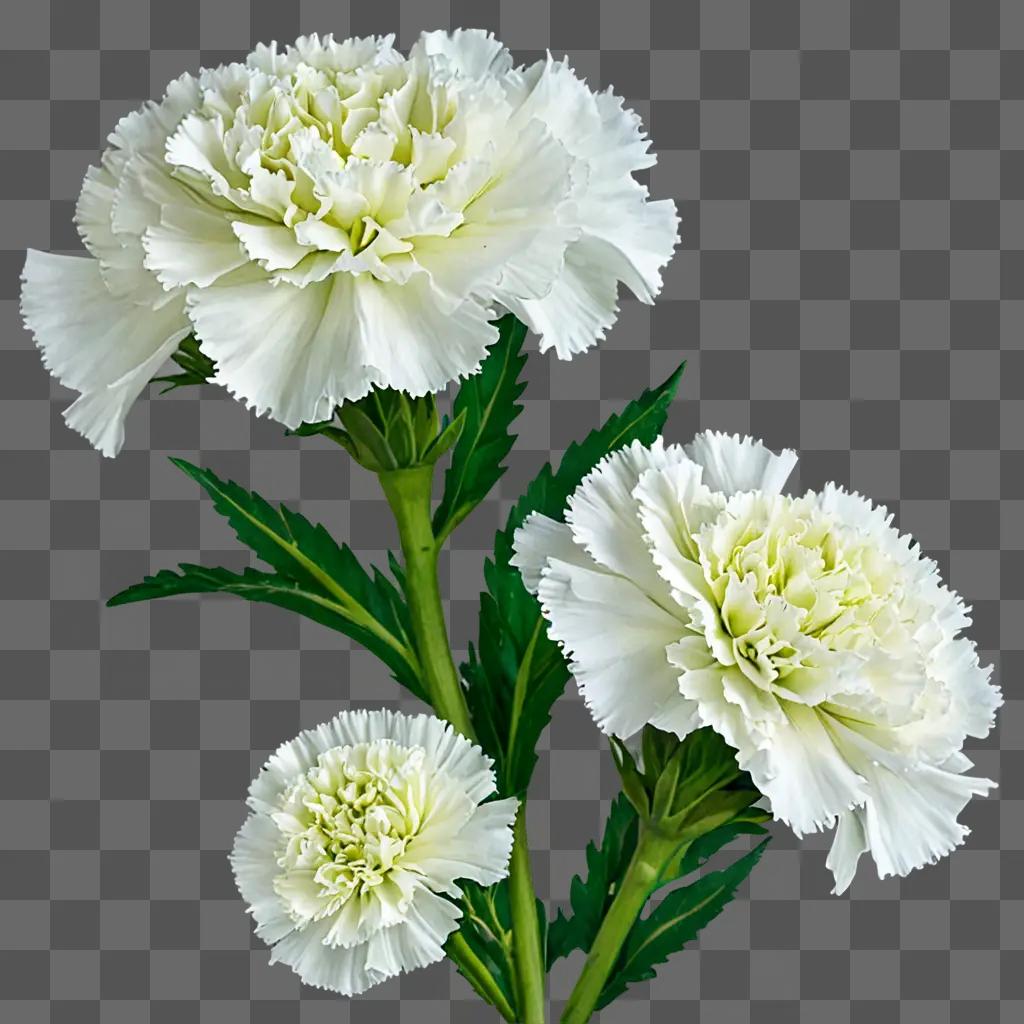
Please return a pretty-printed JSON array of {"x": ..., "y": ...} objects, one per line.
[
  {"x": 359, "y": 831},
  {"x": 334, "y": 221},
  {"x": 337, "y": 216},
  {"x": 690, "y": 591}
]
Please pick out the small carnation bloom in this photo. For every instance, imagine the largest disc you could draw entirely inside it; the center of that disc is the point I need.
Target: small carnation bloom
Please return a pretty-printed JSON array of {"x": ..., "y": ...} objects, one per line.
[
  {"x": 689, "y": 591},
  {"x": 337, "y": 216},
  {"x": 359, "y": 832}
]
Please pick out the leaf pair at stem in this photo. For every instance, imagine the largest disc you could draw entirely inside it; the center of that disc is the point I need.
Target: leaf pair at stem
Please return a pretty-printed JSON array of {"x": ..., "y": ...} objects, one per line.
[{"x": 503, "y": 695}]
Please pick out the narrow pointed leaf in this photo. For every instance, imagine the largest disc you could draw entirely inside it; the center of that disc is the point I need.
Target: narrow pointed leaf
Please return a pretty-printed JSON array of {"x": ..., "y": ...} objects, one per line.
[
  {"x": 314, "y": 576},
  {"x": 487, "y": 928},
  {"x": 516, "y": 672},
  {"x": 487, "y": 401},
  {"x": 675, "y": 922},
  {"x": 590, "y": 897}
]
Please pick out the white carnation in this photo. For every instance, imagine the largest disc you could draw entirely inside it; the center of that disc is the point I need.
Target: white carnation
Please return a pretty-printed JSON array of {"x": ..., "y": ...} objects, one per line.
[
  {"x": 359, "y": 832},
  {"x": 689, "y": 591},
  {"x": 337, "y": 216}
]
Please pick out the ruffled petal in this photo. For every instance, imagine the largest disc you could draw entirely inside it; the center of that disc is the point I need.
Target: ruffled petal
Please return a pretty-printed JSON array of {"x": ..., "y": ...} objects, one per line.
[
  {"x": 786, "y": 747},
  {"x": 417, "y": 942},
  {"x": 321, "y": 965},
  {"x": 541, "y": 538},
  {"x": 605, "y": 517},
  {"x": 615, "y": 637},
  {"x": 910, "y": 816},
  {"x": 638, "y": 237},
  {"x": 480, "y": 850},
  {"x": 418, "y": 347},
  {"x": 273, "y": 245},
  {"x": 101, "y": 346},
  {"x": 511, "y": 244},
  {"x": 472, "y": 52},
  {"x": 120, "y": 256},
  {"x": 672, "y": 504},
  {"x": 807, "y": 779},
  {"x": 733, "y": 463},
  {"x": 848, "y": 844},
  {"x": 449, "y": 751},
  {"x": 580, "y": 307},
  {"x": 146, "y": 130},
  {"x": 628, "y": 238},
  {"x": 254, "y": 865},
  {"x": 192, "y": 245},
  {"x": 291, "y": 352}
]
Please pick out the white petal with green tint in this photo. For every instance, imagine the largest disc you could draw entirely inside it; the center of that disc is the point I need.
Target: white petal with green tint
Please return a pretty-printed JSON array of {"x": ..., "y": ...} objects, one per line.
[
  {"x": 105, "y": 348},
  {"x": 361, "y": 830}
]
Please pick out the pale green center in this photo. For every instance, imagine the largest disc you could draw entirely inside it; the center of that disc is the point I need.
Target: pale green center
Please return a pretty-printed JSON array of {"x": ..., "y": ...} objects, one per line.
[
  {"x": 346, "y": 824},
  {"x": 311, "y": 129},
  {"x": 792, "y": 584}
]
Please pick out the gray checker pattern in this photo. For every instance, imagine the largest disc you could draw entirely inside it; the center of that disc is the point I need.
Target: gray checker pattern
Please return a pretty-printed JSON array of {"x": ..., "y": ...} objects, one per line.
[{"x": 851, "y": 283}]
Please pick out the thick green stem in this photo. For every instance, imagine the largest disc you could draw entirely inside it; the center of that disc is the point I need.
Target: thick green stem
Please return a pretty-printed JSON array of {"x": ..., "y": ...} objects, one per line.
[
  {"x": 652, "y": 853},
  {"x": 526, "y": 947},
  {"x": 408, "y": 493},
  {"x": 476, "y": 973}
]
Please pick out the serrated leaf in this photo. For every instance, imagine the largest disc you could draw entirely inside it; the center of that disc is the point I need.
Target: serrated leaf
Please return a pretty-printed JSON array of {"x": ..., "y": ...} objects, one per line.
[
  {"x": 196, "y": 367},
  {"x": 516, "y": 673},
  {"x": 675, "y": 922},
  {"x": 486, "y": 926},
  {"x": 487, "y": 402},
  {"x": 704, "y": 847},
  {"x": 313, "y": 573},
  {"x": 590, "y": 897}
]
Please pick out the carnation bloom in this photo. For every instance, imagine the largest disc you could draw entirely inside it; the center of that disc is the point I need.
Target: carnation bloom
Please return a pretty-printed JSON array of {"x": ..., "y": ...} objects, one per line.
[
  {"x": 821, "y": 644},
  {"x": 337, "y": 216},
  {"x": 359, "y": 832}
]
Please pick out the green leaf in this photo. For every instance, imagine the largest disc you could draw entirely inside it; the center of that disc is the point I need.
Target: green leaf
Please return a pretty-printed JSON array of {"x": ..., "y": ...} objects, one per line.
[
  {"x": 590, "y": 897},
  {"x": 314, "y": 576},
  {"x": 674, "y": 922},
  {"x": 516, "y": 673},
  {"x": 196, "y": 368},
  {"x": 487, "y": 401},
  {"x": 704, "y": 847},
  {"x": 487, "y": 928}
]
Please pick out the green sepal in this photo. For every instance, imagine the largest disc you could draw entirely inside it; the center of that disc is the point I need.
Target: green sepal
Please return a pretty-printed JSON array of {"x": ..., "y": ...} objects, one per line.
[
  {"x": 686, "y": 787},
  {"x": 634, "y": 784},
  {"x": 388, "y": 430},
  {"x": 196, "y": 367}
]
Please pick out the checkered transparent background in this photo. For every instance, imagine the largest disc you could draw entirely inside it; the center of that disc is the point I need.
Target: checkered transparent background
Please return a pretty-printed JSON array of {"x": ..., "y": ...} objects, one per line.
[{"x": 851, "y": 283}]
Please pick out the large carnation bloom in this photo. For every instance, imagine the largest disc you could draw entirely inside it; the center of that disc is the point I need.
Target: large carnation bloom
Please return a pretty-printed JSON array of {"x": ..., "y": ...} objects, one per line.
[
  {"x": 337, "y": 216},
  {"x": 360, "y": 830},
  {"x": 689, "y": 591}
]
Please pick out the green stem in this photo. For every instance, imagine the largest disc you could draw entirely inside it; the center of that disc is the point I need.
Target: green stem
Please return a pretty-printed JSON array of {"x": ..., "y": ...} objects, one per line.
[
  {"x": 479, "y": 977},
  {"x": 653, "y": 852},
  {"x": 526, "y": 946},
  {"x": 408, "y": 493}
]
